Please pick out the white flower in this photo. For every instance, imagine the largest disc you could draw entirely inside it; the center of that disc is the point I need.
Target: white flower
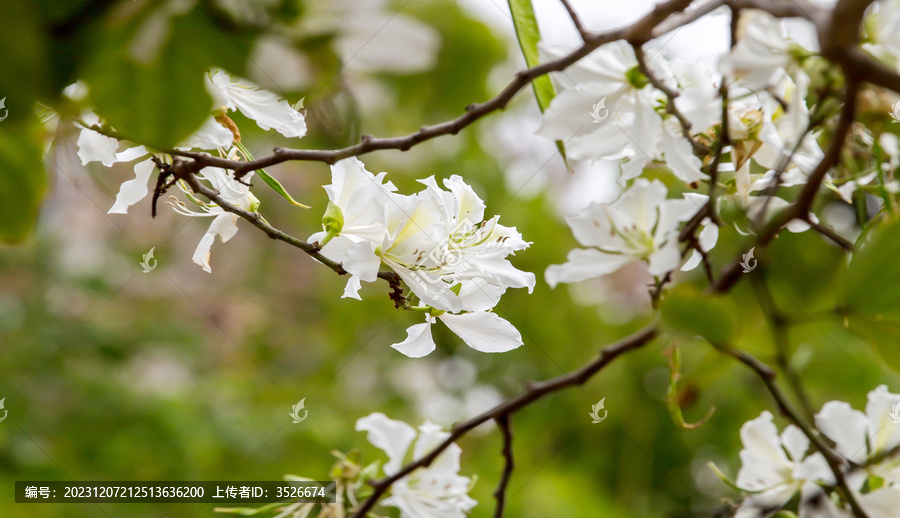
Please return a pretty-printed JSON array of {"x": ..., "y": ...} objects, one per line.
[
  {"x": 452, "y": 259},
  {"x": 633, "y": 126},
  {"x": 781, "y": 131},
  {"x": 266, "y": 108},
  {"x": 224, "y": 224},
  {"x": 372, "y": 37},
  {"x": 860, "y": 436},
  {"x": 763, "y": 49},
  {"x": 775, "y": 467},
  {"x": 437, "y": 241},
  {"x": 641, "y": 225},
  {"x": 436, "y": 491},
  {"x": 354, "y": 223}
]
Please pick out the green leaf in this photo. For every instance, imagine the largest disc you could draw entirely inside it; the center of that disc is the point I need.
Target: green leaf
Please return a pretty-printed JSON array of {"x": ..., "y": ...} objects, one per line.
[
  {"x": 873, "y": 270},
  {"x": 688, "y": 311},
  {"x": 159, "y": 99},
  {"x": 271, "y": 181},
  {"x": 529, "y": 35},
  {"x": 871, "y": 306},
  {"x": 22, "y": 182},
  {"x": 23, "y": 60}
]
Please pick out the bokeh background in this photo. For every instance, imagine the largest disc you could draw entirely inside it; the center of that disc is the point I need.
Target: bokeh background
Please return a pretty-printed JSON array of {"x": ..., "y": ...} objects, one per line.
[{"x": 114, "y": 374}]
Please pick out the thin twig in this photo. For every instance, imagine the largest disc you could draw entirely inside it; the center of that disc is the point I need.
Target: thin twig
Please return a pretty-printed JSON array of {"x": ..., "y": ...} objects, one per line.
[
  {"x": 585, "y": 34},
  {"x": 699, "y": 149},
  {"x": 835, "y": 461},
  {"x": 257, "y": 221},
  {"x": 639, "y": 32},
  {"x": 508, "y": 464},
  {"x": 829, "y": 233},
  {"x": 533, "y": 393}
]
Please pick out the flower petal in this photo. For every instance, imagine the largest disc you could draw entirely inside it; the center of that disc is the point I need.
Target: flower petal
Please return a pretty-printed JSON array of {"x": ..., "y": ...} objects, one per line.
[
  {"x": 135, "y": 190},
  {"x": 392, "y": 437},
  {"x": 418, "y": 341},
  {"x": 483, "y": 331}
]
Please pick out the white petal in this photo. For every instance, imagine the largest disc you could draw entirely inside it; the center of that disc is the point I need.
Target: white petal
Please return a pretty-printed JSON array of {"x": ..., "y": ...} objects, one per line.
[
  {"x": 392, "y": 437},
  {"x": 764, "y": 462},
  {"x": 418, "y": 341},
  {"x": 94, "y": 147},
  {"x": 135, "y": 190},
  {"x": 483, "y": 331},
  {"x": 211, "y": 135},
  {"x": 266, "y": 108},
  {"x": 884, "y": 431},
  {"x": 404, "y": 46},
  {"x": 846, "y": 427},
  {"x": 679, "y": 154},
  {"x": 224, "y": 226},
  {"x": 582, "y": 264},
  {"x": 131, "y": 153}
]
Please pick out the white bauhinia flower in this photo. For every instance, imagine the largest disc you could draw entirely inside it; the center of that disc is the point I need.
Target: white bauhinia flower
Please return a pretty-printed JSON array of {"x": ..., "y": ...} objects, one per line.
[
  {"x": 370, "y": 36},
  {"x": 435, "y": 491},
  {"x": 224, "y": 224},
  {"x": 447, "y": 253},
  {"x": 630, "y": 126},
  {"x": 764, "y": 48},
  {"x": 781, "y": 134},
  {"x": 641, "y": 225},
  {"x": 774, "y": 468},
  {"x": 354, "y": 222},
  {"x": 882, "y": 27},
  {"x": 860, "y": 436},
  {"x": 270, "y": 111},
  {"x": 437, "y": 241}
]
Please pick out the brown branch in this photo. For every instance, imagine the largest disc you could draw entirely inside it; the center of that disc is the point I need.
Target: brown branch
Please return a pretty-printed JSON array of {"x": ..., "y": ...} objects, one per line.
[
  {"x": 585, "y": 34},
  {"x": 699, "y": 149},
  {"x": 636, "y": 34},
  {"x": 508, "y": 464},
  {"x": 835, "y": 461},
  {"x": 800, "y": 208},
  {"x": 312, "y": 249},
  {"x": 829, "y": 233},
  {"x": 533, "y": 393}
]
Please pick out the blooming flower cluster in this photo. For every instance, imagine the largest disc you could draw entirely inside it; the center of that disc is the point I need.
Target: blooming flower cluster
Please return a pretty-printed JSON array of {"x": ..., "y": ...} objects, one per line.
[
  {"x": 438, "y": 241},
  {"x": 776, "y": 467},
  {"x": 614, "y": 108},
  {"x": 218, "y": 132},
  {"x": 435, "y": 491}
]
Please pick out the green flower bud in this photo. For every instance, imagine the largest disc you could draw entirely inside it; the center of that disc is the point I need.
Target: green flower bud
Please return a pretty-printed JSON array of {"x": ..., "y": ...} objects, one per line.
[{"x": 332, "y": 221}]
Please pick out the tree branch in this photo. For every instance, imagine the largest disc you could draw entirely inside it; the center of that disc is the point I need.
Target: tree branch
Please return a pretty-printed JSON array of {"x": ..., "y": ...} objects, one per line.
[
  {"x": 533, "y": 393},
  {"x": 257, "y": 221},
  {"x": 585, "y": 34},
  {"x": 834, "y": 460},
  {"x": 508, "y": 464},
  {"x": 637, "y": 33}
]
